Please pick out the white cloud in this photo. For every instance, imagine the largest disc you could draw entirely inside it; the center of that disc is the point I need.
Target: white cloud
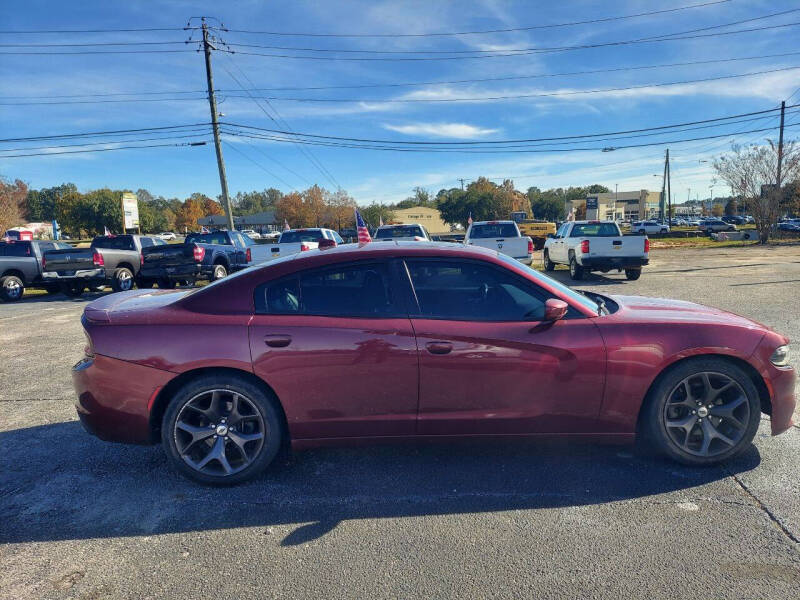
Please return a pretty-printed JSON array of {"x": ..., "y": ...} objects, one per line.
[{"x": 449, "y": 130}]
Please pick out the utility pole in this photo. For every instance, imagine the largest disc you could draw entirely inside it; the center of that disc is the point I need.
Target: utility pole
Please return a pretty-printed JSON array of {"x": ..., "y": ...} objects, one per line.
[
  {"x": 663, "y": 191},
  {"x": 462, "y": 183},
  {"x": 669, "y": 192},
  {"x": 212, "y": 101},
  {"x": 780, "y": 148}
]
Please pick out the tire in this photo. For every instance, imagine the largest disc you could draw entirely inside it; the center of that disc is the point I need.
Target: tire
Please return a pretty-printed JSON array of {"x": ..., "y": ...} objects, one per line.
[
  {"x": 746, "y": 236},
  {"x": 52, "y": 289},
  {"x": 633, "y": 274},
  {"x": 642, "y": 232},
  {"x": 663, "y": 231},
  {"x": 143, "y": 283},
  {"x": 549, "y": 265},
  {"x": 73, "y": 289},
  {"x": 575, "y": 270},
  {"x": 122, "y": 281},
  {"x": 214, "y": 394},
  {"x": 11, "y": 288},
  {"x": 685, "y": 440},
  {"x": 220, "y": 271},
  {"x": 167, "y": 284}
]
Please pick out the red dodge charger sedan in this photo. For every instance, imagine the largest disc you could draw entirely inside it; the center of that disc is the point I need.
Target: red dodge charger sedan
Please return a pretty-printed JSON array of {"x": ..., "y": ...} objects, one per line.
[{"x": 415, "y": 340}]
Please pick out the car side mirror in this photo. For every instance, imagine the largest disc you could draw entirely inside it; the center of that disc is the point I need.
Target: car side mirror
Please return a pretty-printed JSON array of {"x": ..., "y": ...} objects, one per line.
[
  {"x": 555, "y": 310},
  {"x": 326, "y": 243}
]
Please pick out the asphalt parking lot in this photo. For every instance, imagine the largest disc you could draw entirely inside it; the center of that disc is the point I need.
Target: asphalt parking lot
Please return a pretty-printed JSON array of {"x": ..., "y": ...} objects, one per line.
[{"x": 80, "y": 518}]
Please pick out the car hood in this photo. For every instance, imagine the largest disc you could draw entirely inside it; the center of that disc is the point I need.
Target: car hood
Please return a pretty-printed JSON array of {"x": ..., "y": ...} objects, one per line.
[{"x": 665, "y": 310}]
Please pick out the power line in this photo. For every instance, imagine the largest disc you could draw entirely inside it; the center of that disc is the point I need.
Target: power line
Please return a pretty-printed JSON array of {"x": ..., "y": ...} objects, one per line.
[
  {"x": 100, "y": 133},
  {"x": 649, "y": 38},
  {"x": 85, "y": 52},
  {"x": 203, "y": 143},
  {"x": 481, "y": 32},
  {"x": 106, "y": 142},
  {"x": 527, "y": 52},
  {"x": 92, "y": 44},
  {"x": 256, "y": 163},
  {"x": 521, "y": 96},
  {"x": 106, "y": 101},
  {"x": 277, "y": 162},
  {"x": 59, "y": 31}
]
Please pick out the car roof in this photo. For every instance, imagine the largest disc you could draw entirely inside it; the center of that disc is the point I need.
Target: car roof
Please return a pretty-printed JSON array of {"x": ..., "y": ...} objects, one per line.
[
  {"x": 492, "y": 222},
  {"x": 399, "y": 225}
]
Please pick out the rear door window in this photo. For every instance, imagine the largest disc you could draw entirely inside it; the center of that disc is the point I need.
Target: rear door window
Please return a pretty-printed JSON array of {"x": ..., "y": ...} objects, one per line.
[
  {"x": 350, "y": 290},
  {"x": 300, "y": 235},
  {"x": 17, "y": 249},
  {"x": 118, "y": 242}
]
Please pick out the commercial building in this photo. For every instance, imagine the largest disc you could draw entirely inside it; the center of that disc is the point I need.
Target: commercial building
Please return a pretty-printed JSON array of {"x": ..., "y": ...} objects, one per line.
[
  {"x": 429, "y": 218},
  {"x": 620, "y": 206},
  {"x": 263, "y": 222}
]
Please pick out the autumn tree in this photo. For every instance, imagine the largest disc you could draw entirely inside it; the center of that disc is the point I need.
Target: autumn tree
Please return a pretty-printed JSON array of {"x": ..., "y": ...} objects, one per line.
[
  {"x": 12, "y": 203},
  {"x": 291, "y": 208},
  {"x": 751, "y": 172},
  {"x": 339, "y": 207}
]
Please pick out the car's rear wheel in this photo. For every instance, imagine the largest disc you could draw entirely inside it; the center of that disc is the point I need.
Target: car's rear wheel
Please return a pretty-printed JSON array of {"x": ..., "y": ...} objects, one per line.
[
  {"x": 549, "y": 265},
  {"x": 167, "y": 284},
  {"x": 633, "y": 274},
  {"x": 122, "y": 280},
  {"x": 703, "y": 412},
  {"x": 219, "y": 272},
  {"x": 11, "y": 288},
  {"x": 221, "y": 430},
  {"x": 575, "y": 270},
  {"x": 73, "y": 289}
]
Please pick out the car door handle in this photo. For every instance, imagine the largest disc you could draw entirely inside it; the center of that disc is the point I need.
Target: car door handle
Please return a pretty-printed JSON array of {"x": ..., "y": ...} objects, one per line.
[
  {"x": 277, "y": 341},
  {"x": 439, "y": 347}
]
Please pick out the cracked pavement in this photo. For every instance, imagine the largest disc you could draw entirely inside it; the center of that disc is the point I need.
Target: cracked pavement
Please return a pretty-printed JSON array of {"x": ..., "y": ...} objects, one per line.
[{"x": 86, "y": 519}]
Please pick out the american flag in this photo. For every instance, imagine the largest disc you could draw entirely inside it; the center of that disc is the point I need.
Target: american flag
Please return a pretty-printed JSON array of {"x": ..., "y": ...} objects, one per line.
[
  {"x": 106, "y": 232},
  {"x": 205, "y": 229},
  {"x": 380, "y": 220},
  {"x": 361, "y": 227},
  {"x": 286, "y": 225},
  {"x": 469, "y": 219}
]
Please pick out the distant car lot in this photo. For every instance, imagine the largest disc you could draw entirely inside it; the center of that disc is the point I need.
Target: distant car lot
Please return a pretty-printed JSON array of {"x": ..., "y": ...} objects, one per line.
[{"x": 83, "y": 518}]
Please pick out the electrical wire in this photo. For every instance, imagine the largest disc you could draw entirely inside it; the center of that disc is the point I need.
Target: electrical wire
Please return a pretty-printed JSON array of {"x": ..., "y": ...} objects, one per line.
[
  {"x": 107, "y": 142},
  {"x": 100, "y": 133},
  {"x": 481, "y": 32},
  {"x": 199, "y": 143},
  {"x": 256, "y": 163}
]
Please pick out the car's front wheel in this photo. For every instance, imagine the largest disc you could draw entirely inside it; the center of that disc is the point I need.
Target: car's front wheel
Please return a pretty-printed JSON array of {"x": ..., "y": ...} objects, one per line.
[
  {"x": 221, "y": 430},
  {"x": 703, "y": 412}
]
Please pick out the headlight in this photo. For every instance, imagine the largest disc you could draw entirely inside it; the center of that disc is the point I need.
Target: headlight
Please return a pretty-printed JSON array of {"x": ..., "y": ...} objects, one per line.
[{"x": 780, "y": 358}]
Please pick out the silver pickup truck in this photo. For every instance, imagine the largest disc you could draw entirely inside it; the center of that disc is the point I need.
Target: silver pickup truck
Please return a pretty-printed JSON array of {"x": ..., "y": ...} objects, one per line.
[{"x": 596, "y": 246}]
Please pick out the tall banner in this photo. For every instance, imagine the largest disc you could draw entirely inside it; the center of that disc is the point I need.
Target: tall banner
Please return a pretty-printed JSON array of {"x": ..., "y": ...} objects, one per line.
[{"x": 130, "y": 211}]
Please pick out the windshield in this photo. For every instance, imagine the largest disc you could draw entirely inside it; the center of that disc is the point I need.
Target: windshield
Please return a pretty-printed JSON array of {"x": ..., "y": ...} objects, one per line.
[
  {"x": 568, "y": 292},
  {"x": 493, "y": 230},
  {"x": 401, "y": 231},
  {"x": 596, "y": 230},
  {"x": 301, "y": 235}
]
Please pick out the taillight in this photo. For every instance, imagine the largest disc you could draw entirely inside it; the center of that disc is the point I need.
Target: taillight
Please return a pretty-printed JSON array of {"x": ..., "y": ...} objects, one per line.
[
  {"x": 199, "y": 253},
  {"x": 141, "y": 259},
  {"x": 249, "y": 255},
  {"x": 304, "y": 247},
  {"x": 646, "y": 245},
  {"x": 585, "y": 246},
  {"x": 97, "y": 259},
  {"x": 530, "y": 246}
]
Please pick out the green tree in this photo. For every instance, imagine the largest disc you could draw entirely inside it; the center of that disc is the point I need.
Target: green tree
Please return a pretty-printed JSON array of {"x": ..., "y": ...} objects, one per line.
[{"x": 374, "y": 213}]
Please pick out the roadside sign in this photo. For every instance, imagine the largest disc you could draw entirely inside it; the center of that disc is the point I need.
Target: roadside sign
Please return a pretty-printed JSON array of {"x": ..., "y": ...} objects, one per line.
[
  {"x": 591, "y": 202},
  {"x": 130, "y": 210}
]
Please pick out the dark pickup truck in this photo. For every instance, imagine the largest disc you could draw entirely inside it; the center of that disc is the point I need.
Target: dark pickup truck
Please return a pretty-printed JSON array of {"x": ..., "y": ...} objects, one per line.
[
  {"x": 21, "y": 267},
  {"x": 202, "y": 256},
  {"x": 113, "y": 259}
]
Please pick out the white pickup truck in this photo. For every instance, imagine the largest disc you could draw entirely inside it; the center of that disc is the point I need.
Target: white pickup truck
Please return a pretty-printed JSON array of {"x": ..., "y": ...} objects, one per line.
[
  {"x": 293, "y": 241},
  {"x": 410, "y": 232},
  {"x": 503, "y": 236},
  {"x": 596, "y": 246}
]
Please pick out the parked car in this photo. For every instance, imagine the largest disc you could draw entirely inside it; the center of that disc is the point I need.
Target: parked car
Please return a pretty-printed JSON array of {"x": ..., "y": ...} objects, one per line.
[
  {"x": 788, "y": 226},
  {"x": 458, "y": 340},
  {"x": 649, "y": 227},
  {"x": 502, "y": 236},
  {"x": 694, "y": 222},
  {"x": 596, "y": 246},
  {"x": 293, "y": 241},
  {"x": 111, "y": 259},
  {"x": 167, "y": 236},
  {"x": 734, "y": 219},
  {"x": 680, "y": 222},
  {"x": 251, "y": 233},
  {"x": 209, "y": 256},
  {"x": 410, "y": 232},
  {"x": 21, "y": 267},
  {"x": 715, "y": 226}
]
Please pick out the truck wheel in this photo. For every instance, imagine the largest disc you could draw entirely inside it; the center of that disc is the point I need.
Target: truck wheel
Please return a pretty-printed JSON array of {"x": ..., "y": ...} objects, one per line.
[
  {"x": 144, "y": 283},
  {"x": 633, "y": 274},
  {"x": 11, "y": 288},
  {"x": 52, "y": 289},
  {"x": 73, "y": 289},
  {"x": 167, "y": 284},
  {"x": 575, "y": 270},
  {"x": 219, "y": 272},
  {"x": 663, "y": 231},
  {"x": 549, "y": 265},
  {"x": 122, "y": 280},
  {"x": 642, "y": 232}
]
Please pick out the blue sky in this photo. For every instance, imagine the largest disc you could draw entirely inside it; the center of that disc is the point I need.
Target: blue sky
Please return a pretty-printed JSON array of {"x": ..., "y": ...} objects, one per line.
[{"x": 390, "y": 176}]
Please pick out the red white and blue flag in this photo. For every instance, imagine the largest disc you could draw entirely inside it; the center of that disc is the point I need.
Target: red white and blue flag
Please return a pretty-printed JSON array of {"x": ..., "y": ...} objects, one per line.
[
  {"x": 286, "y": 225},
  {"x": 469, "y": 219},
  {"x": 361, "y": 227}
]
